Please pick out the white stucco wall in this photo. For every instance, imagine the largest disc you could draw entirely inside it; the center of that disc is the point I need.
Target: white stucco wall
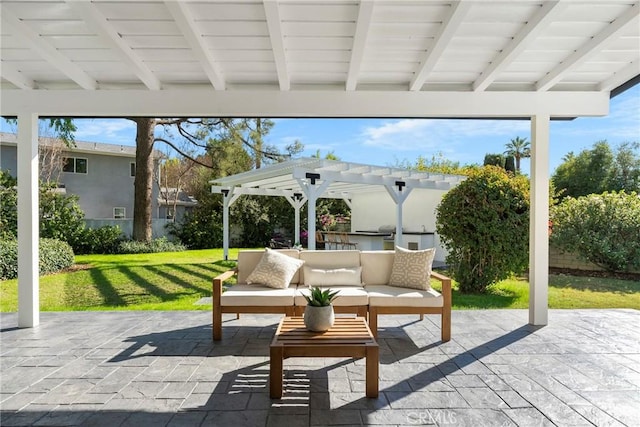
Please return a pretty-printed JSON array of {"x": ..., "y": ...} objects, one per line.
[{"x": 371, "y": 210}]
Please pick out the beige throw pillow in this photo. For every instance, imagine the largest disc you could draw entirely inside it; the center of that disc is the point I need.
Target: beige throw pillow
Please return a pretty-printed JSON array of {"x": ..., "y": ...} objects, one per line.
[
  {"x": 348, "y": 276},
  {"x": 275, "y": 270},
  {"x": 412, "y": 269}
]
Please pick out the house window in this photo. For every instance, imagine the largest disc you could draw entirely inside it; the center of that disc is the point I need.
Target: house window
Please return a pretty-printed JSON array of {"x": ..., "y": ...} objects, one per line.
[
  {"x": 132, "y": 169},
  {"x": 170, "y": 212},
  {"x": 119, "y": 213},
  {"x": 75, "y": 165}
]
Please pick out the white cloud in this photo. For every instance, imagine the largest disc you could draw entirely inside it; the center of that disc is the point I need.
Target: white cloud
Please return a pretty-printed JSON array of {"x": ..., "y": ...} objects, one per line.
[
  {"x": 115, "y": 131},
  {"x": 442, "y": 135}
]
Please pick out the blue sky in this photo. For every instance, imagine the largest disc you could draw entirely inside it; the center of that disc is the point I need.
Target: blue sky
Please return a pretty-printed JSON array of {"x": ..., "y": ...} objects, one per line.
[{"x": 385, "y": 142}]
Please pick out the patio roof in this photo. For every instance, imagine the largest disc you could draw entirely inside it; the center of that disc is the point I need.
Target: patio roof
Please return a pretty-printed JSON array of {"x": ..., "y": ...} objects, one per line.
[{"x": 292, "y": 58}]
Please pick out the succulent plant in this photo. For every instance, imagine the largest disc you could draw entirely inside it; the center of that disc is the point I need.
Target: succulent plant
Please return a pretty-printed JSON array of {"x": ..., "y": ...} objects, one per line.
[{"x": 320, "y": 298}]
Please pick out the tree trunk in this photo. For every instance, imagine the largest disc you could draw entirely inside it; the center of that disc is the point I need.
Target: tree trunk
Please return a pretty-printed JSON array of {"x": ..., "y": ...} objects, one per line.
[{"x": 143, "y": 183}]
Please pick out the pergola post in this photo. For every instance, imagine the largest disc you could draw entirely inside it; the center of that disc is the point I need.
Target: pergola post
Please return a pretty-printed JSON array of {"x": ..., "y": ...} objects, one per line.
[
  {"x": 312, "y": 191},
  {"x": 399, "y": 196},
  {"x": 227, "y": 200},
  {"x": 539, "y": 221},
  {"x": 297, "y": 201},
  {"x": 28, "y": 222}
]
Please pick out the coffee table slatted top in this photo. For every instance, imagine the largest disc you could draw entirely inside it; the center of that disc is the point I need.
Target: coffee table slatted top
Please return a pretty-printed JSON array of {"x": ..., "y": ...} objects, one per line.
[{"x": 345, "y": 331}]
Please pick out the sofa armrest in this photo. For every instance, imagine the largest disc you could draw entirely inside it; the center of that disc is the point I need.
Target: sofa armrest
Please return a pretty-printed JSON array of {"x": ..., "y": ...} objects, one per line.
[
  {"x": 446, "y": 305},
  {"x": 217, "y": 302},
  {"x": 446, "y": 284},
  {"x": 219, "y": 280}
]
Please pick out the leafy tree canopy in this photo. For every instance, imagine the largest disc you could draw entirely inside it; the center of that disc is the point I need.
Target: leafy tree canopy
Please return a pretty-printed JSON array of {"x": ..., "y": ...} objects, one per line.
[{"x": 599, "y": 169}]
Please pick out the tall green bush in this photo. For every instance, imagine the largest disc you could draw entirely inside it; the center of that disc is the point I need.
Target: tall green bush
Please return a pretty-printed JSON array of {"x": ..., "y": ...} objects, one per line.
[
  {"x": 601, "y": 228},
  {"x": 484, "y": 224}
]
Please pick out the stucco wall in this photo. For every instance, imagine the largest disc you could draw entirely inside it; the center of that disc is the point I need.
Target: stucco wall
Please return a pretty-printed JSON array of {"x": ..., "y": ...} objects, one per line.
[{"x": 371, "y": 210}]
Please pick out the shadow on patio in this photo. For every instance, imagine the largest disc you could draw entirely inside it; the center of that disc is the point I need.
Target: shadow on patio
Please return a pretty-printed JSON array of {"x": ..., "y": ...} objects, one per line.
[{"x": 161, "y": 368}]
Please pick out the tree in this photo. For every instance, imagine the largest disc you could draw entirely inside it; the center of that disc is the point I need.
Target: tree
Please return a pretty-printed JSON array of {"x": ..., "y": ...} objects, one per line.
[
  {"x": 484, "y": 223},
  {"x": 189, "y": 133},
  {"x": 436, "y": 164},
  {"x": 519, "y": 148},
  {"x": 599, "y": 169}
]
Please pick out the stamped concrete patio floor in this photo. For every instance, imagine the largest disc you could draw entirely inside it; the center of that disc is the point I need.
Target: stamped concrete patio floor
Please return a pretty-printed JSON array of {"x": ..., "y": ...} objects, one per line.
[{"x": 161, "y": 368}]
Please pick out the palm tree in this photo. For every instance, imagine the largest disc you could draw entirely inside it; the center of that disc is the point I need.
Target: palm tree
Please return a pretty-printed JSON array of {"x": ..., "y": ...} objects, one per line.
[{"x": 519, "y": 148}]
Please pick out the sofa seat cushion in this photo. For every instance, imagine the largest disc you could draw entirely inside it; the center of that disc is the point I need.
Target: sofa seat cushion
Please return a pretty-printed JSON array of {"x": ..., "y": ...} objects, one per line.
[
  {"x": 239, "y": 295},
  {"x": 392, "y": 296},
  {"x": 347, "y": 295}
]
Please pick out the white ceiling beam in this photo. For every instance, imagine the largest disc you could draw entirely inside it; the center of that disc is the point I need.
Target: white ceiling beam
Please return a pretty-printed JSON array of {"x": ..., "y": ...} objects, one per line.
[
  {"x": 308, "y": 103},
  {"x": 272, "y": 12},
  {"x": 11, "y": 74},
  {"x": 447, "y": 30},
  {"x": 590, "y": 48},
  {"x": 99, "y": 23},
  {"x": 47, "y": 51},
  {"x": 532, "y": 29},
  {"x": 621, "y": 77},
  {"x": 186, "y": 23},
  {"x": 365, "y": 11}
]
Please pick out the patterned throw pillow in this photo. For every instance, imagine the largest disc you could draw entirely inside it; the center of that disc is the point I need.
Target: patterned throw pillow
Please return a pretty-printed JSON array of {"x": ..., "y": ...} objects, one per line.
[
  {"x": 275, "y": 270},
  {"x": 411, "y": 269}
]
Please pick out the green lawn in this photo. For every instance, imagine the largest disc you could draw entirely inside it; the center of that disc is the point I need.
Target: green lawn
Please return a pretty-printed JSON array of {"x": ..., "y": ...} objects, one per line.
[{"x": 175, "y": 281}]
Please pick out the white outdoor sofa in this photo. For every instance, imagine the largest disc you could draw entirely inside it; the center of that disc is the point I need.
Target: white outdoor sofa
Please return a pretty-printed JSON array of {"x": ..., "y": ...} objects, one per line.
[{"x": 370, "y": 295}]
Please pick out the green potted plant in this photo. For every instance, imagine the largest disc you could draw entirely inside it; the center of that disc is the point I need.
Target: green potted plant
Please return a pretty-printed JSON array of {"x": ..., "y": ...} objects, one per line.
[{"x": 319, "y": 315}]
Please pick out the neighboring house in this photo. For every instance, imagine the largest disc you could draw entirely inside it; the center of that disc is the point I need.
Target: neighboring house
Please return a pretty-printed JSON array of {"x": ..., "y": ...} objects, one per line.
[
  {"x": 101, "y": 175},
  {"x": 173, "y": 203}
]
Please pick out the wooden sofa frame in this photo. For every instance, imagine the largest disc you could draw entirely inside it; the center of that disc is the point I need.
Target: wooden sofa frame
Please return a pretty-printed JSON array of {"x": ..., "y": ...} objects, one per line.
[{"x": 364, "y": 311}]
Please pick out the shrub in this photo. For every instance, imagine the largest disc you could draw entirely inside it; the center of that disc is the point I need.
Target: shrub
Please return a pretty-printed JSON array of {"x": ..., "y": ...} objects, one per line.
[
  {"x": 55, "y": 255},
  {"x": 8, "y": 259},
  {"x": 60, "y": 216},
  {"x": 601, "y": 228},
  {"x": 199, "y": 229},
  {"x": 158, "y": 245},
  {"x": 102, "y": 240},
  {"x": 484, "y": 223}
]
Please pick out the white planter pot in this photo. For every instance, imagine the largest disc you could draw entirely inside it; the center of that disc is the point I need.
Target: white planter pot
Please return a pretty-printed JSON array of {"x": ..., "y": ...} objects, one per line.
[{"x": 318, "y": 319}]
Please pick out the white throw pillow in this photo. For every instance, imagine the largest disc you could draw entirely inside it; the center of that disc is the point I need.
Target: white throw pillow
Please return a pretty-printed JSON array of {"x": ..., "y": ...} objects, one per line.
[
  {"x": 274, "y": 270},
  {"x": 412, "y": 269},
  {"x": 349, "y": 276}
]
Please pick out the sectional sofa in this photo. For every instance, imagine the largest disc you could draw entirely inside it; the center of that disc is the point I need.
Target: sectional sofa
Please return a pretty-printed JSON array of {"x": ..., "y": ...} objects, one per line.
[{"x": 370, "y": 283}]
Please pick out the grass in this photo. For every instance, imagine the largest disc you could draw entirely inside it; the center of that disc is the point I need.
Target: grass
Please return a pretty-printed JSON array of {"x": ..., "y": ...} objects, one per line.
[{"x": 175, "y": 281}]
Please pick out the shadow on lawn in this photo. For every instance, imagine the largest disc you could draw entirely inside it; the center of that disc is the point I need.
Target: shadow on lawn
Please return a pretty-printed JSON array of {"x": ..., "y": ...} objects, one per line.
[{"x": 595, "y": 284}]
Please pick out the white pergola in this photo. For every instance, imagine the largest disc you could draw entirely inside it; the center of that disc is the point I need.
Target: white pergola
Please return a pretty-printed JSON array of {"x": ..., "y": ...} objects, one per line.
[
  {"x": 311, "y": 58},
  {"x": 308, "y": 179}
]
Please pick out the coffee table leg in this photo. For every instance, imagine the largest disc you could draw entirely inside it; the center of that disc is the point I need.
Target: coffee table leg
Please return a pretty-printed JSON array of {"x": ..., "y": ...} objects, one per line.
[
  {"x": 275, "y": 371},
  {"x": 372, "y": 364}
]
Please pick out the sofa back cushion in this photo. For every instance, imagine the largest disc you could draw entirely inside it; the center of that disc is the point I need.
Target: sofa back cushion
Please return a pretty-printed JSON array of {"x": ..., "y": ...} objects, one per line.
[
  {"x": 325, "y": 277},
  {"x": 249, "y": 259},
  {"x": 329, "y": 260},
  {"x": 376, "y": 267}
]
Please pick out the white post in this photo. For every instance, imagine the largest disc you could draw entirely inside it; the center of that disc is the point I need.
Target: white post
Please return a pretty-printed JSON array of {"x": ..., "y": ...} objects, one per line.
[
  {"x": 399, "y": 193},
  {"x": 28, "y": 222},
  {"x": 312, "y": 191},
  {"x": 539, "y": 221},
  {"x": 297, "y": 200},
  {"x": 227, "y": 200}
]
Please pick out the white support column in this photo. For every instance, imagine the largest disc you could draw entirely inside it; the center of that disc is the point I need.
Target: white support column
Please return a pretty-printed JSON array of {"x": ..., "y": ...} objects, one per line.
[
  {"x": 297, "y": 201},
  {"x": 227, "y": 200},
  {"x": 399, "y": 196},
  {"x": 312, "y": 191},
  {"x": 28, "y": 222},
  {"x": 539, "y": 221}
]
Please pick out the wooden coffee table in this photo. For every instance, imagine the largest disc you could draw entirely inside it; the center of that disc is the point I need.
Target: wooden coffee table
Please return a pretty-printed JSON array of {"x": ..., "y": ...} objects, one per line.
[{"x": 348, "y": 337}]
